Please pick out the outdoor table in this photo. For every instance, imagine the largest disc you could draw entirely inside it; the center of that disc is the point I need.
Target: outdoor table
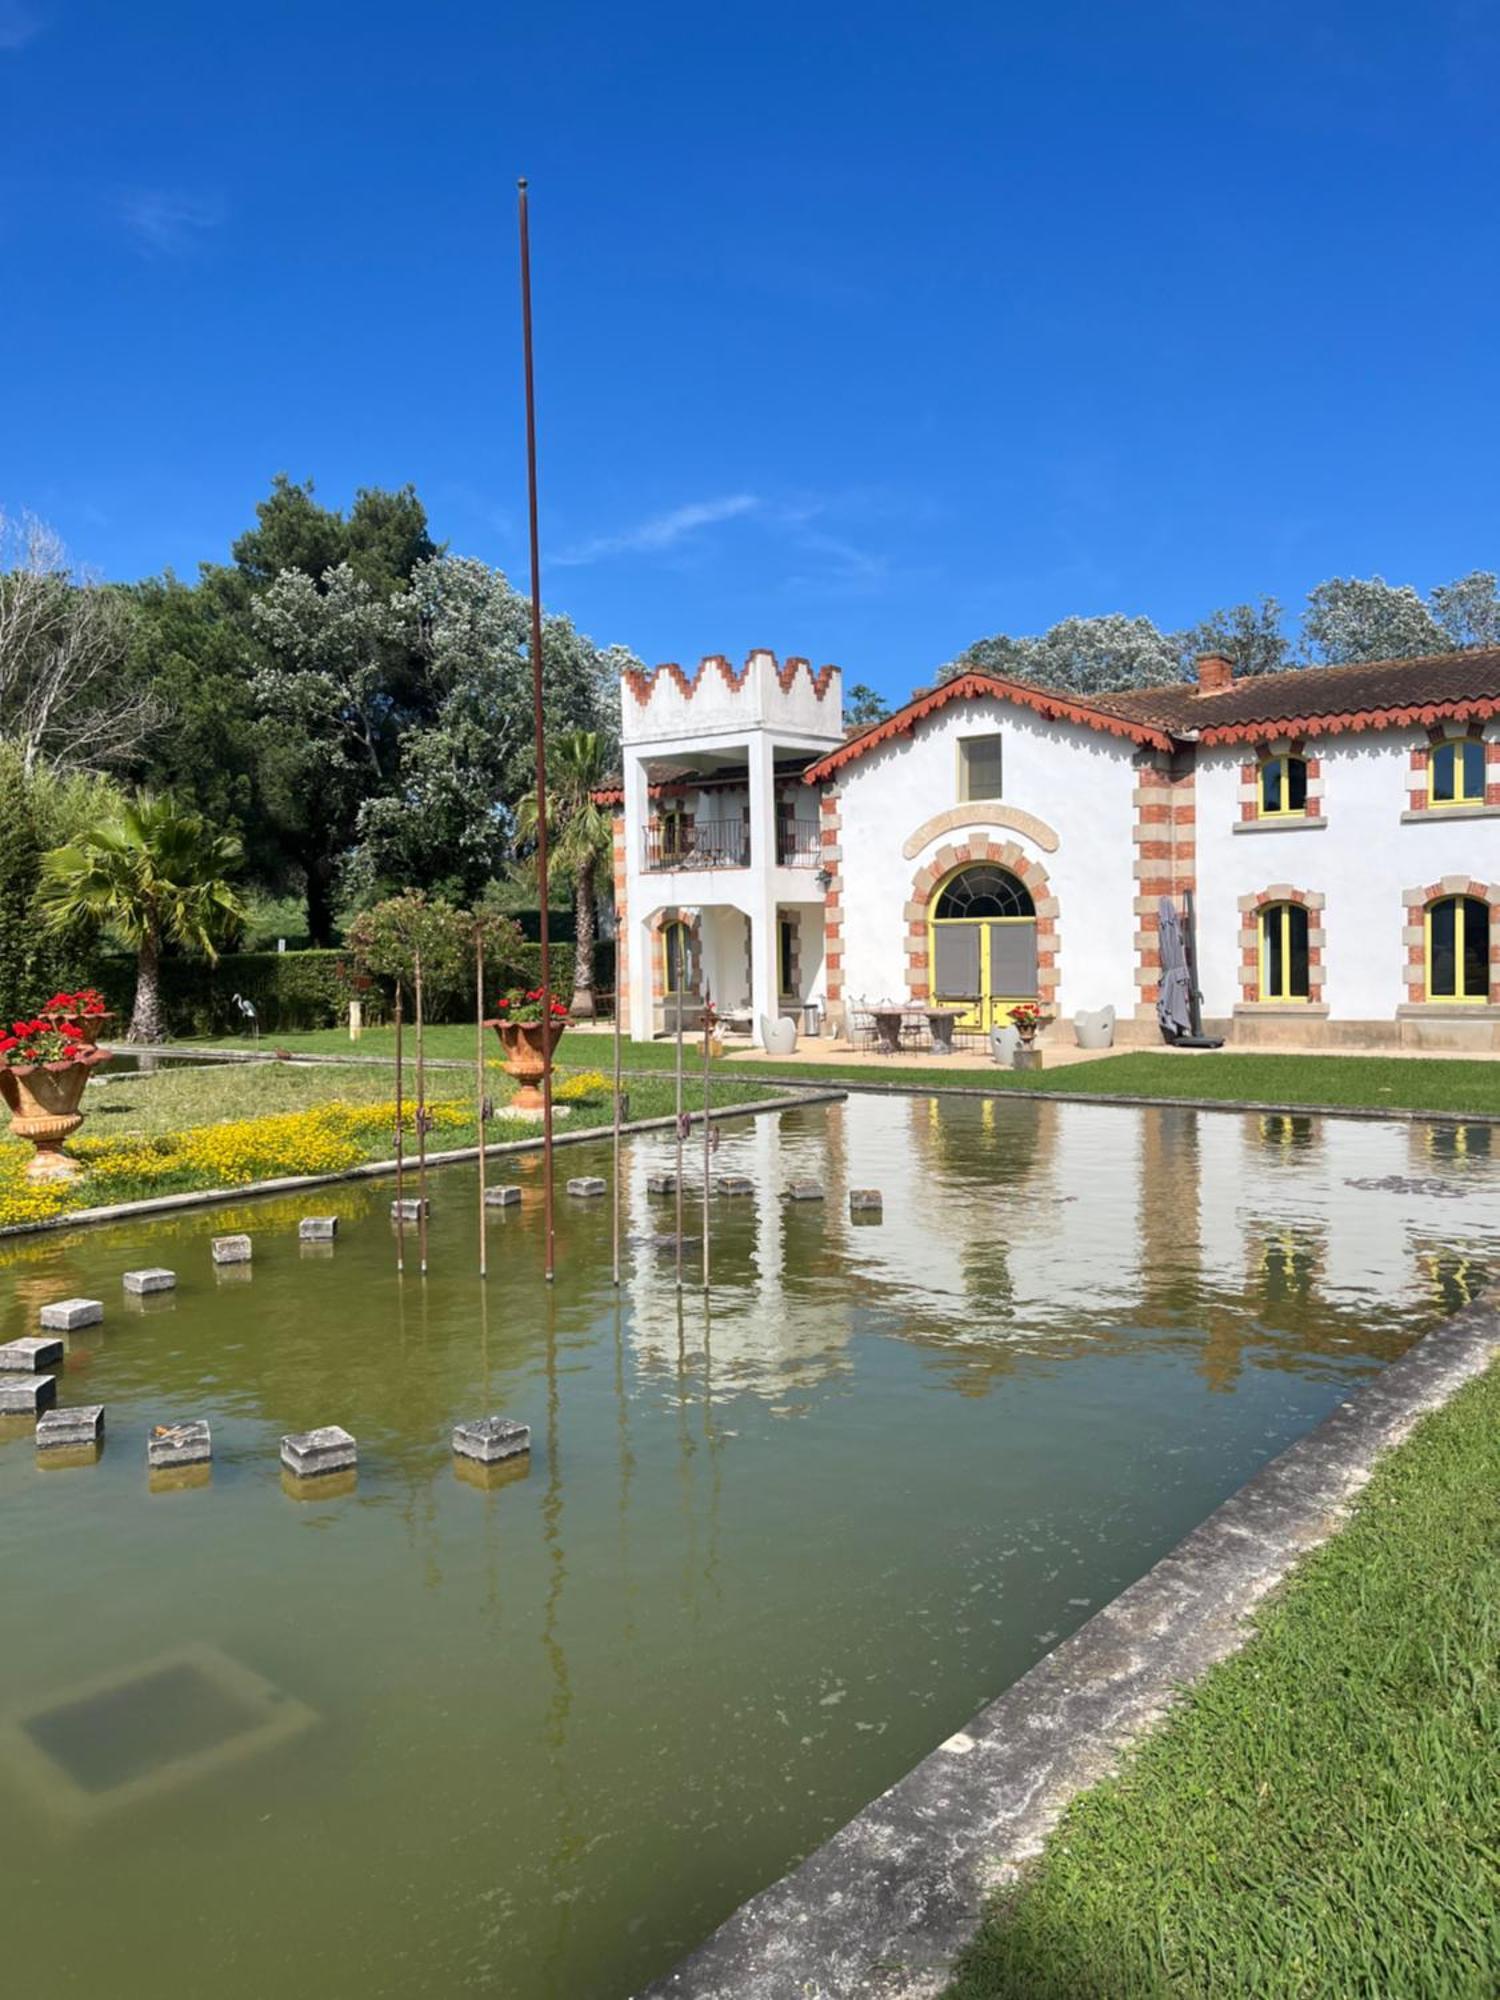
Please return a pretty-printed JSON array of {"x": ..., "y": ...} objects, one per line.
[
  {"x": 888, "y": 1022},
  {"x": 941, "y": 1022}
]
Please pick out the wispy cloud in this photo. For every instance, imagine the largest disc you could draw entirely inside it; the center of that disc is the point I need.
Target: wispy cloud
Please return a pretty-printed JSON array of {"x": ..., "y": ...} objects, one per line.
[
  {"x": 167, "y": 223},
  {"x": 19, "y": 24},
  {"x": 660, "y": 531}
]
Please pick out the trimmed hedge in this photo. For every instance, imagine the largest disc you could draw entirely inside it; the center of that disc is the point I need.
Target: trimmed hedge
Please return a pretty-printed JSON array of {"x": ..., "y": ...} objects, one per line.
[{"x": 299, "y": 989}]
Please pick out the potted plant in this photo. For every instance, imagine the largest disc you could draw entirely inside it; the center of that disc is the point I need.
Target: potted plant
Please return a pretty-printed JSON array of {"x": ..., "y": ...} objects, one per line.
[
  {"x": 44, "y": 1064},
  {"x": 1028, "y": 1019},
  {"x": 529, "y": 1023}
]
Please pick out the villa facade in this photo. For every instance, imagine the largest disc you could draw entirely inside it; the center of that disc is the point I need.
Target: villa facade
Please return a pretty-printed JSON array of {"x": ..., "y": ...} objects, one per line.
[{"x": 1335, "y": 832}]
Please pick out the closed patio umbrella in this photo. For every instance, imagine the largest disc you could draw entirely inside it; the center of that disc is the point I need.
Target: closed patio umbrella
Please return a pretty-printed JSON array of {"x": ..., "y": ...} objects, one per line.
[{"x": 1174, "y": 997}]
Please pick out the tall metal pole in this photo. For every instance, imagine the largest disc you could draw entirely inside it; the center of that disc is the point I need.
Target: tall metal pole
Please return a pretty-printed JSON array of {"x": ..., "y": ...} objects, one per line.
[
  {"x": 421, "y": 1119},
  {"x": 615, "y": 1166},
  {"x": 541, "y": 744},
  {"x": 480, "y": 1104},
  {"x": 400, "y": 1143}
]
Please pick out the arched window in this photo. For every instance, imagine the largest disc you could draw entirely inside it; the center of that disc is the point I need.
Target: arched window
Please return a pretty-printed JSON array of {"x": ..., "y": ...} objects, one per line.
[
  {"x": 1455, "y": 773},
  {"x": 674, "y": 956},
  {"x": 1458, "y": 949},
  {"x": 1283, "y": 952},
  {"x": 984, "y": 891},
  {"x": 1283, "y": 788}
]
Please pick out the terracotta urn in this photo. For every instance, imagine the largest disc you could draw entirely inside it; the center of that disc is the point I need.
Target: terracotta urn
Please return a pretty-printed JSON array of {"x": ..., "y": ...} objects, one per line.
[
  {"x": 43, "y": 1103},
  {"x": 527, "y": 1045}
]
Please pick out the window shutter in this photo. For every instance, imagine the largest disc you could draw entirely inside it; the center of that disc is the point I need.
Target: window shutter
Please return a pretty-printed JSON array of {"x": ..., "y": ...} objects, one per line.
[
  {"x": 1013, "y": 961},
  {"x": 956, "y": 973}
]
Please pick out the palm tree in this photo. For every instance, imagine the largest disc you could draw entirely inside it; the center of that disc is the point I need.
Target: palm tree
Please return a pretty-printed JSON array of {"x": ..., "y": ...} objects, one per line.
[
  {"x": 156, "y": 874},
  {"x": 580, "y": 840}
]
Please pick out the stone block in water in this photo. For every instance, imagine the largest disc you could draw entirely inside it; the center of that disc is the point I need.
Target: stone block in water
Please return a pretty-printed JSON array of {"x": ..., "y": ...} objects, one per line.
[
  {"x": 313, "y": 1454},
  {"x": 67, "y": 1315},
  {"x": 804, "y": 1191},
  {"x": 491, "y": 1439},
  {"x": 75, "y": 1428},
  {"x": 317, "y": 1228},
  {"x": 153, "y": 1280},
  {"x": 502, "y": 1197},
  {"x": 586, "y": 1184},
  {"x": 865, "y": 1201},
  {"x": 231, "y": 1249},
  {"x": 666, "y": 1243},
  {"x": 28, "y": 1355},
  {"x": 179, "y": 1444},
  {"x": 735, "y": 1184},
  {"x": 25, "y": 1395},
  {"x": 408, "y": 1209},
  {"x": 661, "y": 1183}
]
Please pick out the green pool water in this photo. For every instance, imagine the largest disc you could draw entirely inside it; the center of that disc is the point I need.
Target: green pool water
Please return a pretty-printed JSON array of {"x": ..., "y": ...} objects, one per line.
[{"x": 771, "y": 1546}]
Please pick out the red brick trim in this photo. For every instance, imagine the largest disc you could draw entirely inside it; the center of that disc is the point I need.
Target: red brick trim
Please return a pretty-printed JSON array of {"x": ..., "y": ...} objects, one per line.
[
  {"x": 1317, "y": 942},
  {"x": 1004, "y": 854},
  {"x": 1293, "y": 746},
  {"x": 830, "y": 830},
  {"x": 1415, "y": 904},
  {"x": 1166, "y": 858},
  {"x": 1354, "y": 721}
]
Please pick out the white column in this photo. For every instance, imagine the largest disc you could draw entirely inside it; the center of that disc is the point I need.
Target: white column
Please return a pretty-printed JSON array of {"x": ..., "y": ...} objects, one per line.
[
  {"x": 634, "y": 936},
  {"x": 763, "y": 981}
]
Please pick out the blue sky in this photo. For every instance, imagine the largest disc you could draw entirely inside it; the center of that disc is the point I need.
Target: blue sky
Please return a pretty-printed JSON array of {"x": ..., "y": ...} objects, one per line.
[{"x": 863, "y": 330}]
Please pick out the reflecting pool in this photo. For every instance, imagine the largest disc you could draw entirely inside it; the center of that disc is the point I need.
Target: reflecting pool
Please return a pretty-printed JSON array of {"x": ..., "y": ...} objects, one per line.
[{"x": 536, "y": 1735}]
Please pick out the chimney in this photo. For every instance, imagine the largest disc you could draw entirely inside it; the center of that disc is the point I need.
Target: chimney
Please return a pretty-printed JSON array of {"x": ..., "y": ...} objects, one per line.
[{"x": 1215, "y": 673}]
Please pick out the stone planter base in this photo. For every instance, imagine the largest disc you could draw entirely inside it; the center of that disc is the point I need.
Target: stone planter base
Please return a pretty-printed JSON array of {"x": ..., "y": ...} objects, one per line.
[{"x": 1026, "y": 1059}]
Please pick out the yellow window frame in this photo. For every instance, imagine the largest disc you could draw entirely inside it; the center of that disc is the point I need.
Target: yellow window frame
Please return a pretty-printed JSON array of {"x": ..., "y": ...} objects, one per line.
[
  {"x": 667, "y": 929},
  {"x": 1460, "y": 930},
  {"x": 1283, "y": 913},
  {"x": 1282, "y": 765},
  {"x": 1458, "y": 747}
]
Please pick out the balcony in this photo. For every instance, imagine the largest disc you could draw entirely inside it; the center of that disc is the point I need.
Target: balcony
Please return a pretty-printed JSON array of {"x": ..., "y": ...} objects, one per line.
[
  {"x": 799, "y": 843},
  {"x": 705, "y": 843}
]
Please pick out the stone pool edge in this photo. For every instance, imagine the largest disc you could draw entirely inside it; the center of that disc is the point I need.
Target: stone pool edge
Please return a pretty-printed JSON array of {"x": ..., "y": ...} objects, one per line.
[
  {"x": 165, "y": 1204},
  {"x": 885, "y": 1905}
]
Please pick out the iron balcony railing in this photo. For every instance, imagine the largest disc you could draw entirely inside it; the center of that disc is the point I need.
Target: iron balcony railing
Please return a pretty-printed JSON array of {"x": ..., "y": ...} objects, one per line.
[
  {"x": 707, "y": 843},
  {"x": 798, "y": 843}
]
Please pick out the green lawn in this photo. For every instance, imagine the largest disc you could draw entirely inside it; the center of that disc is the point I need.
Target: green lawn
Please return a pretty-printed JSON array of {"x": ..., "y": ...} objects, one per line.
[
  {"x": 1375, "y": 1082},
  {"x": 1321, "y": 1821}
]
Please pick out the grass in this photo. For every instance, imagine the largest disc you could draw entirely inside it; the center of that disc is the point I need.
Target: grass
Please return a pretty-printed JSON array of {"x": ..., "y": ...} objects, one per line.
[
  {"x": 184, "y": 1128},
  {"x": 1320, "y": 1820},
  {"x": 1410, "y": 1083}
]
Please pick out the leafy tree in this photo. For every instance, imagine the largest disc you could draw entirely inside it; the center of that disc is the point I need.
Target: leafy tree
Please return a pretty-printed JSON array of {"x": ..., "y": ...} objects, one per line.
[
  {"x": 63, "y": 641},
  {"x": 580, "y": 840},
  {"x": 333, "y": 700},
  {"x": 862, "y": 706},
  {"x": 382, "y": 539},
  {"x": 1354, "y": 618},
  {"x": 40, "y": 809},
  {"x": 387, "y": 938},
  {"x": 155, "y": 874},
  {"x": 1468, "y": 610},
  {"x": 1248, "y": 634}
]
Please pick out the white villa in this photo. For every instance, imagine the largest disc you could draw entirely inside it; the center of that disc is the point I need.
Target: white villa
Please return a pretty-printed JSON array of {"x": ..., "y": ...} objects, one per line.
[{"x": 1337, "y": 829}]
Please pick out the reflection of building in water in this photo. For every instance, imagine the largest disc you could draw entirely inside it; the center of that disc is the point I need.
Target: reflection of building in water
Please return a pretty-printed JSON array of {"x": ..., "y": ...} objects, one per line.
[{"x": 1017, "y": 1228}]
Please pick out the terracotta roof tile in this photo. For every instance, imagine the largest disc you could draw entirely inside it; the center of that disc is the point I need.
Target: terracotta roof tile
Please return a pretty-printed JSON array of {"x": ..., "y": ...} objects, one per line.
[{"x": 1366, "y": 694}]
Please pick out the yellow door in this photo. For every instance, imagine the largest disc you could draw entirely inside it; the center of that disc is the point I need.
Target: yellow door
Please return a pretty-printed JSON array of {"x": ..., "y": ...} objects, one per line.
[{"x": 981, "y": 945}]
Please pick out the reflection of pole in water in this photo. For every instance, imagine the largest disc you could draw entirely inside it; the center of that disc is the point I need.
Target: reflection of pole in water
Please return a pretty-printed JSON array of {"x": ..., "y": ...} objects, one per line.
[
  {"x": 615, "y": 1130},
  {"x": 400, "y": 1141},
  {"x": 627, "y": 1468},
  {"x": 681, "y": 981},
  {"x": 479, "y": 1103},
  {"x": 421, "y": 1121},
  {"x": 708, "y": 1016},
  {"x": 560, "y": 1706}
]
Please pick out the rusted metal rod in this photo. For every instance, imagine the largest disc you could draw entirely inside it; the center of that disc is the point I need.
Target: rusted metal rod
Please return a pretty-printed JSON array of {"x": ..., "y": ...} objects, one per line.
[
  {"x": 481, "y": 1103},
  {"x": 400, "y": 1141},
  {"x": 421, "y": 1118},
  {"x": 541, "y": 743}
]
